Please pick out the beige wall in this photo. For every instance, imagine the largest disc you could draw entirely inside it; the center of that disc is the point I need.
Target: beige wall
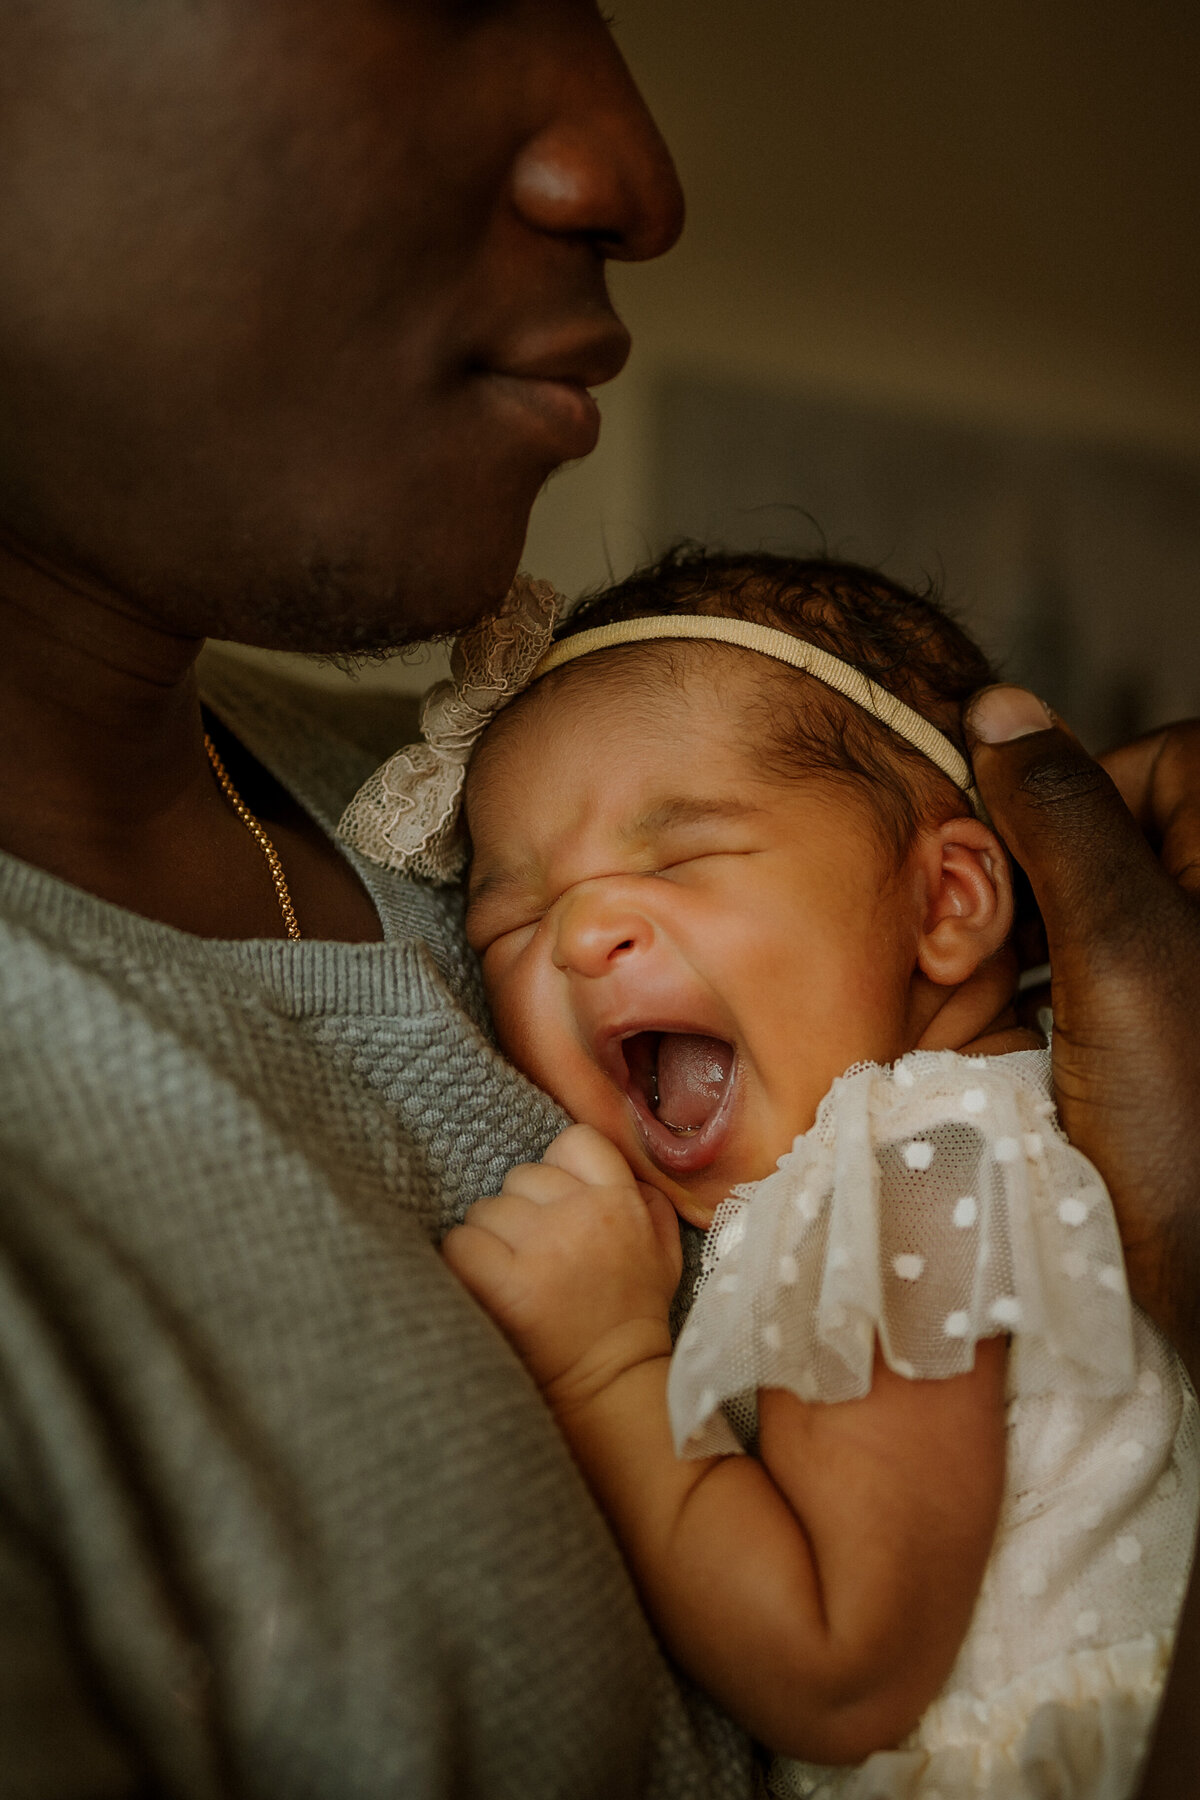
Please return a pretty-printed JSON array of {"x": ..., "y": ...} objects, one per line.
[
  {"x": 981, "y": 204},
  {"x": 982, "y": 209}
]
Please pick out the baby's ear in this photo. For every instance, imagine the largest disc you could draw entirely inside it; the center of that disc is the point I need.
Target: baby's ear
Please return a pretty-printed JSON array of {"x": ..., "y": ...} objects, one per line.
[{"x": 968, "y": 910}]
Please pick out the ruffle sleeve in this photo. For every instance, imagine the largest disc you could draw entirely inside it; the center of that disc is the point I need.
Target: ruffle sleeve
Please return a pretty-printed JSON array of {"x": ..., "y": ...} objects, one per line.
[{"x": 933, "y": 1203}]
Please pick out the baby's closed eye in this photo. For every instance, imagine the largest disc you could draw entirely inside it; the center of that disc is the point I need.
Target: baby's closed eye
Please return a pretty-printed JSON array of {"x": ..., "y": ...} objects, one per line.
[
  {"x": 680, "y": 863},
  {"x": 488, "y": 927}
]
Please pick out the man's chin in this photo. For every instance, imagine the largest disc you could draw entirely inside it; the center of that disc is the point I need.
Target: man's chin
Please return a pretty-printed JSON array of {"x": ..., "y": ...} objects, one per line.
[{"x": 340, "y": 617}]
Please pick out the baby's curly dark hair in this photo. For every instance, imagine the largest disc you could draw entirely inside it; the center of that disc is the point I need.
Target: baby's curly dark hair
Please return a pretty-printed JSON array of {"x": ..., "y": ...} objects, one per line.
[{"x": 904, "y": 640}]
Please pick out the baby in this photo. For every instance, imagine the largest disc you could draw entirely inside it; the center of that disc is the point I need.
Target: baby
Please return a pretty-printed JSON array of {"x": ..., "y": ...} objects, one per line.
[{"x": 738, "y": 913}]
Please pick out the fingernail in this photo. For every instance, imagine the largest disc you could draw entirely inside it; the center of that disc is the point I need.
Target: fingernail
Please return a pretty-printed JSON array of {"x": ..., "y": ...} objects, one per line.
[{"x": 1000, "y": 714}]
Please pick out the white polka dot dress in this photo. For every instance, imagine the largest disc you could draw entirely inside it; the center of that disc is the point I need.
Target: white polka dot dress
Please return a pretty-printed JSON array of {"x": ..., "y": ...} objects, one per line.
[{"x": 932, "y": 1205}]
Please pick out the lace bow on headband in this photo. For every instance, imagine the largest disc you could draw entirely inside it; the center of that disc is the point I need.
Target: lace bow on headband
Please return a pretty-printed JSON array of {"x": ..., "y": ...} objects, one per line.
[{"x": 408, "y": 815}]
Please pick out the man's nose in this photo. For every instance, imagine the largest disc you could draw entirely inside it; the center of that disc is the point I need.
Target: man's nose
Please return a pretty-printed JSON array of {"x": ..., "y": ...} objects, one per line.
[
  {"x": 595, "y": 933},
  {"x": 599, "y": 168}
]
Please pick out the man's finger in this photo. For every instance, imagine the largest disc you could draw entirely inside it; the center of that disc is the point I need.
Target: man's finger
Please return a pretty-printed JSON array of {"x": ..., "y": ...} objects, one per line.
[
  {"x": 1062, "y": 817},
  {"x": 1159, "y": 780},
  {"x": 1132, "y": 770}
]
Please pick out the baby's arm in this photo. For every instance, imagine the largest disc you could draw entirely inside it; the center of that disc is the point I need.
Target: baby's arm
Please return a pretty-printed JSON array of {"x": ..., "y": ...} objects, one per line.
[{"x": 820, "y": 1591}]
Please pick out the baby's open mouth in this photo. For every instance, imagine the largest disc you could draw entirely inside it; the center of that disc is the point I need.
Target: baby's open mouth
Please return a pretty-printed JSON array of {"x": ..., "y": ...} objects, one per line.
[
  {"x": 680, "y": 1083},
  {"x": 682, "y": 1077}
]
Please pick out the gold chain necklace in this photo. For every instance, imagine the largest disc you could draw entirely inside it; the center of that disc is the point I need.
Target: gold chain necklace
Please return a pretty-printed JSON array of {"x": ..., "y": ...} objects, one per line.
[{"x": 258, "y": 834}]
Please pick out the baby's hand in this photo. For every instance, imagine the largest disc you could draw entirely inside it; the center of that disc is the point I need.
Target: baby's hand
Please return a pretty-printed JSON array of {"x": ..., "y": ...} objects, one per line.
[{"x": 577, "y": 1263}]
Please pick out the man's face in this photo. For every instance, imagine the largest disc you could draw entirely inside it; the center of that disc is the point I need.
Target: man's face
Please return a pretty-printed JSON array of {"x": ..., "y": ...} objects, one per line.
[{"x": 300, "y": 299}]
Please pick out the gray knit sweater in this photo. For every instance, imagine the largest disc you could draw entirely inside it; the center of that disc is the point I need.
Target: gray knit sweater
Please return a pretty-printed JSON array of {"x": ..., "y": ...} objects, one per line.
[{"x": 280, "y": 1514}]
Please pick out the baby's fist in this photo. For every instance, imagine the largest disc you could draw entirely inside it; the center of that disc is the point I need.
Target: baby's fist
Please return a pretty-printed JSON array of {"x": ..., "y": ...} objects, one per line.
[{"x": 575, "y": 1260}]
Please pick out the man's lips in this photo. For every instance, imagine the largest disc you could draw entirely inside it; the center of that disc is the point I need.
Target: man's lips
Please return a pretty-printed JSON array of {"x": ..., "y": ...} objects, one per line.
[
  {"x": 586, "y": 355},
  {"x": 563, "y": 413},
  {"x": 546, "y": 378}
]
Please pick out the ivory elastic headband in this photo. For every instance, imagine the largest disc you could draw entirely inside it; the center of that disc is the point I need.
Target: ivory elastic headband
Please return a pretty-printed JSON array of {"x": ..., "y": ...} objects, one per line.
[
  {"x": 408, "y": 815},
  {"x": 831, "y": 670}
]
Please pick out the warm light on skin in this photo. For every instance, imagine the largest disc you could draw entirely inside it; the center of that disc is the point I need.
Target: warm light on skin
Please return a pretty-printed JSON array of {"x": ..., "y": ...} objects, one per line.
[{"x": 634, "y": 869}]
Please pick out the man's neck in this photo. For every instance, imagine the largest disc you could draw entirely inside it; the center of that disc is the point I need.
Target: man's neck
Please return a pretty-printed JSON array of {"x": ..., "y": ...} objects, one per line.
[
  {"x": 99, "y": 718},
  {"x": 105, "y": 780}
]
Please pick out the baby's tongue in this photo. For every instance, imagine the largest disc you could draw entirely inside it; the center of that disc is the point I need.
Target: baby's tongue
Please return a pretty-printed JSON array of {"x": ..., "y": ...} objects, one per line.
[{"x": 692, "y": 1073}]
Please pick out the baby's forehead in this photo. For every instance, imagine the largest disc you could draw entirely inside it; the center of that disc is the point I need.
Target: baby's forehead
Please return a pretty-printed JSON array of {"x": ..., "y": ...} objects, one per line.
[
  {"x": 635, "y": 760},
  {"x": 630, "y": 707},
  {"x": 645, "y": 688}
]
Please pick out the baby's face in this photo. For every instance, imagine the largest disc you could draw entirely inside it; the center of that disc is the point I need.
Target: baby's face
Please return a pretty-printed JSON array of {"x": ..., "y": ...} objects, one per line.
[{"x": 682, "y": 950}]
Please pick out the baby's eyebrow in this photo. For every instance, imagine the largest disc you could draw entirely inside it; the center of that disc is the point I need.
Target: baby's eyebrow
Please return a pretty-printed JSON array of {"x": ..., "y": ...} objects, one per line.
[
  {"x": 500, "y": 880},
  {"x": 678, "y": 812}
]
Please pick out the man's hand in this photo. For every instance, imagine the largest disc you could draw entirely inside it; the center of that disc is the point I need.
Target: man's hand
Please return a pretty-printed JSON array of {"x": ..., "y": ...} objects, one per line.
[
  {"x": 1123, "y": 927},
  {"x": 1124, "y": 938},
  {"x": 577, "y": 1263}
]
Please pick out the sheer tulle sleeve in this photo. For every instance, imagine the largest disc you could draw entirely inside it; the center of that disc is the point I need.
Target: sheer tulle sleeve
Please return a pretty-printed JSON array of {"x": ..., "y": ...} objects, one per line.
[{"x": 933, "y": 1203}]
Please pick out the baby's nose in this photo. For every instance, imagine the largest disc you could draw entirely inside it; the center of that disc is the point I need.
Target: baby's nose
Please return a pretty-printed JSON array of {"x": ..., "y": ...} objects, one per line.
[{"x": 594, "y": 932}]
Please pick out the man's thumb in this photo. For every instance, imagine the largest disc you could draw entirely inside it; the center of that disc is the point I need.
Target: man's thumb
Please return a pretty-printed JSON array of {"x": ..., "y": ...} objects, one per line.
[{"x": 1059, "y": 814}]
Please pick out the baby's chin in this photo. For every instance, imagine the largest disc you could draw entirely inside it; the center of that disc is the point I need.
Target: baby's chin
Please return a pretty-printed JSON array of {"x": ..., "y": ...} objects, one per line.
[{"x": 696, "y": 1196}]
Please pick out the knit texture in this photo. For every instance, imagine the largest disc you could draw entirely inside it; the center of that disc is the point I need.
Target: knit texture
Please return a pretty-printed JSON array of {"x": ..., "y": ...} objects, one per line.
[{"x": 280, "y": 1514}]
